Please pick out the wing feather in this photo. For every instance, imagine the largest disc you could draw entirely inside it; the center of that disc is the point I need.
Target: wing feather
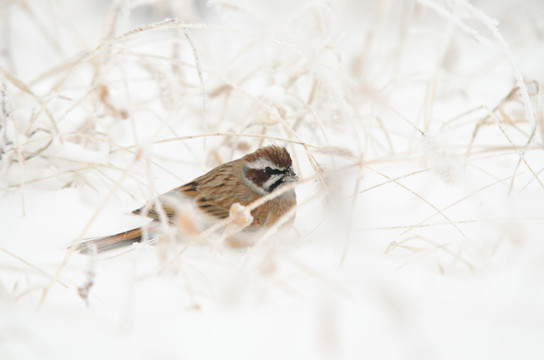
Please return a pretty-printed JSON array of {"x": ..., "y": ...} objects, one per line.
[{"x": 214, "y": 193}]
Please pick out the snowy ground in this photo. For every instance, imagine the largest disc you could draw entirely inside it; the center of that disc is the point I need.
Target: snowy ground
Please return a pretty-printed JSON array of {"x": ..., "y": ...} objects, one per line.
[{"x": 417, "y": 127}]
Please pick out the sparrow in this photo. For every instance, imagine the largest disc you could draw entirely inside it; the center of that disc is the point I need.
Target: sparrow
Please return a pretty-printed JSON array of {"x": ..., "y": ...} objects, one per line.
[{"x": 239, "y": 181}]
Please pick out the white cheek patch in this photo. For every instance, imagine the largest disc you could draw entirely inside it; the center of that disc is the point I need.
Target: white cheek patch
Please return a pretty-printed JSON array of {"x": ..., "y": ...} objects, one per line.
[
  {"x": 261, "y": 164},
  {"x": 273, "y": 179}
]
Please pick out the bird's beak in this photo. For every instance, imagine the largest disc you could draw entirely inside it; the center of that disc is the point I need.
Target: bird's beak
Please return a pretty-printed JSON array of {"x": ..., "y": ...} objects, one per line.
[{"x": 290, "y": 176}]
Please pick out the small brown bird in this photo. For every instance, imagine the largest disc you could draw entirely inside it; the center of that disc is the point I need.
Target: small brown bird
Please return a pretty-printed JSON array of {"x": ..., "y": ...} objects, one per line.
[{"x": 239, "y": 181}]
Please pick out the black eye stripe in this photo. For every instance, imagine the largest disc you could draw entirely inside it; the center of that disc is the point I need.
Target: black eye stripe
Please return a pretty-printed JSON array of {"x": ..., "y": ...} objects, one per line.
[{"x": 269, "y": 171}]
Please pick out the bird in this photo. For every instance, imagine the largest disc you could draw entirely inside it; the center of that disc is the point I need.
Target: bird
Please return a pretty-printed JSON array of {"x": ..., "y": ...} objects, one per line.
[{"x": 241, "y": 181}]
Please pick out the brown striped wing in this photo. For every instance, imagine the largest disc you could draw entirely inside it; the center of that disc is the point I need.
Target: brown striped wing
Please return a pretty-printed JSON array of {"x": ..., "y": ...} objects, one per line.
[
  {"x": 217, "y": 190},
  {"x": 213, "y": 192}
]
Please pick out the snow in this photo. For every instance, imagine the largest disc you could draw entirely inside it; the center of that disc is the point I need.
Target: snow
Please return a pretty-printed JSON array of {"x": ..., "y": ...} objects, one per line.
[{"x": 418, "y": 231}]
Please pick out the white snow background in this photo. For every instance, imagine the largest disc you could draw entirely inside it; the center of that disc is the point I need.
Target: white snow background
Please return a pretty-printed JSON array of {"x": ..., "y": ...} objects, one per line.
[{"x": 416, "y": 126}]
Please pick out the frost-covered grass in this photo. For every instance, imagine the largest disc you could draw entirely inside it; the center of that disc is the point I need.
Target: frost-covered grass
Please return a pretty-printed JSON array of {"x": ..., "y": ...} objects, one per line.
[{"x": 416, "y": 126}]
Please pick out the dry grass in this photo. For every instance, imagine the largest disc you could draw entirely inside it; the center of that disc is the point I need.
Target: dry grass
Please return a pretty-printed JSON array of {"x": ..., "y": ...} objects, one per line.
[{"x": 415, "y": 126}]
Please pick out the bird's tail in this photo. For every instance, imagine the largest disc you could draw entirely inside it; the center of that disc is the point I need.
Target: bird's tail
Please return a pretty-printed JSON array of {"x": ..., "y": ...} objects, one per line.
[{"x": 110, "y": 242}]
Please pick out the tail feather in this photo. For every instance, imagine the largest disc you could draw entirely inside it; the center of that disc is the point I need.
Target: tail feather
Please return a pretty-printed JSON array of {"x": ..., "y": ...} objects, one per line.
[{"x": 111, "y": 242}]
